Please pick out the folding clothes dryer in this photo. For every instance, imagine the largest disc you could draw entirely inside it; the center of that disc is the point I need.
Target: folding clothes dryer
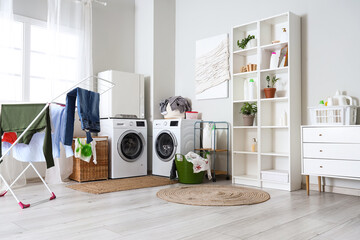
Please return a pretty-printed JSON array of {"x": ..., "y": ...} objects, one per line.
[
  {"x": 170, "y": 137},
  {"x": 127, "y": 146}
]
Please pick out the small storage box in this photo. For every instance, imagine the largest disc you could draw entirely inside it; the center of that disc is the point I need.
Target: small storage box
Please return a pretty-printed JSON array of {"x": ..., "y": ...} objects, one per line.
[
  {"x": 83, "y": 171},
  {"x": 275, "y": 176},
  {"x": 191, "y": 115},
  {"x": 333, "y": 115}
]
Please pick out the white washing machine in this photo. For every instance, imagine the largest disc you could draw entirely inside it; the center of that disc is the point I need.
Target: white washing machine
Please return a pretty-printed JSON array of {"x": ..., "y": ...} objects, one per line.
[
  {"x": 127, "y": 146},
  {"x": 170, "y": 136}
]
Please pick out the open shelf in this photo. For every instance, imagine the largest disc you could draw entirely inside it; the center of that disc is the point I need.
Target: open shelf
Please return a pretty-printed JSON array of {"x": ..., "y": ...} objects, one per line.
[
  {"x": 252, "y": 177},
  {"x": 245, "y": 167},
  {"x": 251, "y": 74},
  {"x": 245, "y": 127},
  {"x": 244, "y": 152},
  {"x": 242, "y": 101},
  {"x": 275, "y": 99},
  {"x": 246, "y": 52},
  {"x": 241, "y": 83},
  {"x": 211, "y": 150},
  {"x": 274, "y": 114},
  {"x": 243, "y": 31},
  {"x": 274, "y": 46},
  {"x": 278, "y": 152},
  {"x": 275, "y": 70},
  {"x": 275, "y": 154},
  {"x": 274, "y": 140},
  {"x": 271, "y": 29},
  {"x": 243, "y": 139},
  {"x": 238, "y": 120}
]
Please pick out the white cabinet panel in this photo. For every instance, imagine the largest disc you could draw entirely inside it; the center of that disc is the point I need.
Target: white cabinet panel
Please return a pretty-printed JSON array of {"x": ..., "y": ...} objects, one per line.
[
  {"x": 341, "y": 168},
  {"x": 332, "y": 134},
  {"x": 332, "y": 151}
]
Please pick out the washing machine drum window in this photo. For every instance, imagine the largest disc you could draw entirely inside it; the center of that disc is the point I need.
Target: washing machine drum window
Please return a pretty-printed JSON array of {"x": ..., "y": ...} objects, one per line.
[
  {"x": 130, "y": 146},
  {"x": 165, "y": 146}
]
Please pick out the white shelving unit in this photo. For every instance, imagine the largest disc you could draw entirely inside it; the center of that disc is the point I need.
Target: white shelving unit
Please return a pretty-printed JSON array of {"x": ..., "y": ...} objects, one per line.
[{"x": 278, "y": 153}]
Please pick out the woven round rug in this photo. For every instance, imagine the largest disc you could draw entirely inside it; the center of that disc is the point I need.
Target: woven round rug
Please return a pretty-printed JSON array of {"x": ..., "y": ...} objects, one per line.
[{"x": 213, "y": 195}]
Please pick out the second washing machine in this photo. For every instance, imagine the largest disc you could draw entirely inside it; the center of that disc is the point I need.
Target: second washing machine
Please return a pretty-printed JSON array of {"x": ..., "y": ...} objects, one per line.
[
  {"x": 170, "y": 136},
  {"x": 127, "y": 146}
]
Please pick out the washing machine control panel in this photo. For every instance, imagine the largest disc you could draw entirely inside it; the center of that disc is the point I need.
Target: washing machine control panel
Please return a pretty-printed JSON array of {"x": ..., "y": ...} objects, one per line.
[
  {"x": 165, "y": 123},
  {"x": 131, "y": 124}
]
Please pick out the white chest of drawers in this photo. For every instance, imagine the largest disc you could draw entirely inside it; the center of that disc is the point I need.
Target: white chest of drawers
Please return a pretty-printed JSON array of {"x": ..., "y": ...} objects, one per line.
[{"x": 330, "y": 151}]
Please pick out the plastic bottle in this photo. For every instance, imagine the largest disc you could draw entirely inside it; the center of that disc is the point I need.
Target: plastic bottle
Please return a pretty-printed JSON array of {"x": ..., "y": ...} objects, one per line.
[
  {"x": 246, "y": 90},
  {"x": 252, "y": 89},
  {"x": 253, "y": 145},
  {"x": 273, "y": 60}
]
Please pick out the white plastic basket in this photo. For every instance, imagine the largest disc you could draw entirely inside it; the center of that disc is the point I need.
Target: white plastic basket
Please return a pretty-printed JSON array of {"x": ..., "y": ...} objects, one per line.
[{"x": 333, "y": 115}]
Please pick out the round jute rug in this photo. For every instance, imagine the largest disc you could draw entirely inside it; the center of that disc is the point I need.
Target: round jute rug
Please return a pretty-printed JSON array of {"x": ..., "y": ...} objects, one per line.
[{"x": 213, "y": 195}]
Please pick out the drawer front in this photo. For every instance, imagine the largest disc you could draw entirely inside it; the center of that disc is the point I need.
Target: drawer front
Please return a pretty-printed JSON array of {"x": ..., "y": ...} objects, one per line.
[
  {"x": 332, "y": 134},
  {"x": 324, "y": 167},
  {"x": 348, "y": 151}
]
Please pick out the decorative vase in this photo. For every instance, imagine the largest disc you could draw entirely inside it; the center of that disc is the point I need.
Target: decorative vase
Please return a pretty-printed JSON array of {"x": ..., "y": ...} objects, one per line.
[
  {"x": 251, "y": 43},
  {"x": 248, "y": 120},
  {"x": 269, "y": 92}
]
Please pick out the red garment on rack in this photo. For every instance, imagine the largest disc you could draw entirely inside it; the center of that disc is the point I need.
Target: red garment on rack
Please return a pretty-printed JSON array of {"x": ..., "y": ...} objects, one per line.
[{"x": 9, "y": 137}]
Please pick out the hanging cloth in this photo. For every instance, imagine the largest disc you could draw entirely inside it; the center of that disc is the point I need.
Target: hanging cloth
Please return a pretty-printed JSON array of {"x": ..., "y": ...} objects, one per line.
[
  {"x": 9, "y": 137},
  {"x": 88, "y": 110},
  {"x": 17, "y": 117}
]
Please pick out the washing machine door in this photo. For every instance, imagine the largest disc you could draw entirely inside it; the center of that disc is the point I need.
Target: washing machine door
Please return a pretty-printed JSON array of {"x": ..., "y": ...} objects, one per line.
[
  {"x": 131, "y": 145},
  {"x": 165, "y": 146}
]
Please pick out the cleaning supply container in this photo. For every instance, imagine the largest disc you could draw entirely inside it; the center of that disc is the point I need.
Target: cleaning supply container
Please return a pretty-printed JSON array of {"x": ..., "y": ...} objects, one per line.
[{"x": 185, "y": 171}]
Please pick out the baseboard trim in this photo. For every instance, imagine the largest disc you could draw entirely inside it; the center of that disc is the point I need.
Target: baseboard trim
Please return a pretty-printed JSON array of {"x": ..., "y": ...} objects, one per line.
[{"x": 333, "y": 189}]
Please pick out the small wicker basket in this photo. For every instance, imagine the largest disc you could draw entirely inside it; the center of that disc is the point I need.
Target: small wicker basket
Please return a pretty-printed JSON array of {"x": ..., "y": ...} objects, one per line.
[{"x": 83, "y": 171}]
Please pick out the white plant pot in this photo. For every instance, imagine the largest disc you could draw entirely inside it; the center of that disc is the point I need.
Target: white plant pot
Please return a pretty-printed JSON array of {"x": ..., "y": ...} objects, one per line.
[{"x": 251, "y": 43}]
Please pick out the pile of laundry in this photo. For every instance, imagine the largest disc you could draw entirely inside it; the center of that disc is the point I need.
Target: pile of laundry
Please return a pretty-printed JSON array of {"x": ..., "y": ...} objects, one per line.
[
  {"x": 199, "y": 163},
  {"x": 174, "y": 107}
]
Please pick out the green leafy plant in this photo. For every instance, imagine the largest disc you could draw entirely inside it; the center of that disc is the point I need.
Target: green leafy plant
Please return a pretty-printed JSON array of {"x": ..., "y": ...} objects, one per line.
[
  {"x": 273, "y": 80},
  {"x": 249, "y": 108},
  {"x": 245, "y": 41}
]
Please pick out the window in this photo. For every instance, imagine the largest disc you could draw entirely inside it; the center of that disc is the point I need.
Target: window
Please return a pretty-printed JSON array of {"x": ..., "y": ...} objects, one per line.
[
  {"x": 26, "y": 75},
  {"x": 11, "y": 66}
]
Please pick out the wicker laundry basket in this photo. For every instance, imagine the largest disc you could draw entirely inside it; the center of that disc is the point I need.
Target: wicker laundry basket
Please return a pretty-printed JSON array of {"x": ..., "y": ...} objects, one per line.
[{"x": 83, "y": 171}]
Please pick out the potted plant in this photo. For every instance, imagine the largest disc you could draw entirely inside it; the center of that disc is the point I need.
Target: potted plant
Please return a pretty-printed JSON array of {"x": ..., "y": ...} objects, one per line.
[
  {"x": 270, "y": 91},
  {"x": 245, "y": 41},
  {"x": 249, "y": 110}
]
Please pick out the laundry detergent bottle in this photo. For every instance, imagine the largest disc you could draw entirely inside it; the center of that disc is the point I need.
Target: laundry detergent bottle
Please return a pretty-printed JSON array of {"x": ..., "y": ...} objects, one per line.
[
  {"x": 252, "y": 89},
  {"x": 273, "y": 60}
]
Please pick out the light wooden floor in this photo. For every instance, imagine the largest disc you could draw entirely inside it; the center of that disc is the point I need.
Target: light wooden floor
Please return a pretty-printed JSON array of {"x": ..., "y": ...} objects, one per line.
[{"x": 139, "y": 214}]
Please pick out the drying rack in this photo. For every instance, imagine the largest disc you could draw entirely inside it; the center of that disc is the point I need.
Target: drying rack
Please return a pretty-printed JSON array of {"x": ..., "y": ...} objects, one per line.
[
  {"x": 91, "y": 83},
  {"x": 199, "y": 126}
]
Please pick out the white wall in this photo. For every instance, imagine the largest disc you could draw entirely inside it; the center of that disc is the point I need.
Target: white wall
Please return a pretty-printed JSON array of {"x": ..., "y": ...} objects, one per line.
[
  {"x": 330, "y": 46},
  {"x": 114, "y": 36},
  {"x": 155, "y": 55}
]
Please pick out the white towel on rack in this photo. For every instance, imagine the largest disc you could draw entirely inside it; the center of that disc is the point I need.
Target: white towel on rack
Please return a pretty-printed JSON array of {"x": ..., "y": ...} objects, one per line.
[{"x": 32, "y": 152}]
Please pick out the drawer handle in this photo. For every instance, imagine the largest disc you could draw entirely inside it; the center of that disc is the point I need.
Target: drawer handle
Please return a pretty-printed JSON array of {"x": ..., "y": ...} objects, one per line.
[
  {"x": 320, "y": 134},
  {"x": 321, "y": 166},
  {"x": 321, "y": 150}
]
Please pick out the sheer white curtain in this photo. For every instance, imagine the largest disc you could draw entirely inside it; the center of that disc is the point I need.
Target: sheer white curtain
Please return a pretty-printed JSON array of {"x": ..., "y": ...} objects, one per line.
[
  {"x": 9, "y": 168},
  {"x": 69, "y": 31}
]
